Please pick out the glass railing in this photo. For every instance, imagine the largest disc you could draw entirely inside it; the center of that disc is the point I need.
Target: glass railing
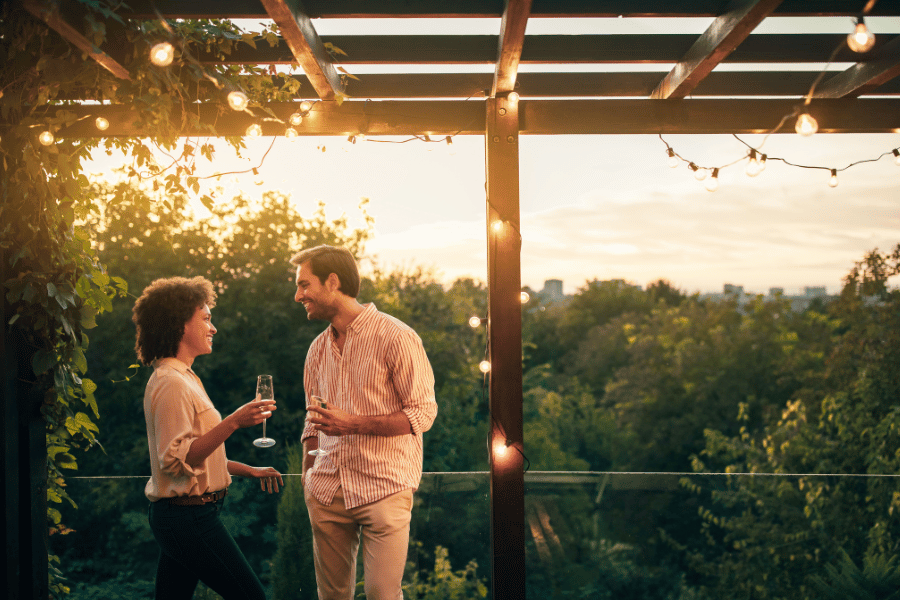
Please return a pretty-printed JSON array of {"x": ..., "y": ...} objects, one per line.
[{"x": 587, "y": 535}]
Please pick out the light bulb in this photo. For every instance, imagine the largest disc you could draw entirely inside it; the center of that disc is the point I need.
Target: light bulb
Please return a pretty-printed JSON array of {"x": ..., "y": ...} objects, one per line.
[
  {"x": 451, "y": 150},
  {"x": 237, "y": 100},
  {"x": 497, "y": 226},
  {"x": 500, "y": 448},
  {"x": 762, "y": 163},
  {"x": 712, "y": 184},
  {"x": 361, "y": 137},
  {"x": 162, "y": 54},
  {"x": 699, "y": 172},
  {"x": 524, "y": 297},
  {"x": 254, "y": 130},
  {"x": 897, "y": 156},
  {"x": 290, "y": 133},
  {"x": 673, "y": 160},
  {"x": 484, "y": 366},
  {"x": 753, "y": 167},
  {"x": 46, "y": 138},
  {"x": 861, "y": 40},
  {"x": 305, "y": 106},
  {"x": 295, "y": 119},
  {"x": 102, "y": 124},
  {"x": 513, "y": 97},
  {"x": 833, "y": 182},
  {"x": 474, "y": 322},
  {"x": 806, "y": 125}
]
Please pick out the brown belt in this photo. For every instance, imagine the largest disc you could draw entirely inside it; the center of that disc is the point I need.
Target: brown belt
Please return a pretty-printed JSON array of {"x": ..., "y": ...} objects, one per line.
[{"x": 196, "y": 500}]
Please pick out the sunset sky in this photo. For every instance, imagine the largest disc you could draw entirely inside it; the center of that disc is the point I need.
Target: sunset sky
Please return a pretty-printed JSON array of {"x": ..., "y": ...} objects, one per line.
[{"x": 601, "y": 207}]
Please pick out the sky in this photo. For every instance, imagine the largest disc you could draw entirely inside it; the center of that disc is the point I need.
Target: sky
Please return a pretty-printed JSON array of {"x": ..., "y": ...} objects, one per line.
[{"x": 600, "y": 207}]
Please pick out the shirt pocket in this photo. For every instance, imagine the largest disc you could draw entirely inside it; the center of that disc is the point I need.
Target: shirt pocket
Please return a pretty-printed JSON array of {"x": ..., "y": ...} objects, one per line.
[{"x": 207, "y": 415}]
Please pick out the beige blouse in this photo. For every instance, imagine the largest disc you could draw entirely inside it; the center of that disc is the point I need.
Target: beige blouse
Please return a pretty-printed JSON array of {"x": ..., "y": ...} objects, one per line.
[{"x": 178, "y": 411}]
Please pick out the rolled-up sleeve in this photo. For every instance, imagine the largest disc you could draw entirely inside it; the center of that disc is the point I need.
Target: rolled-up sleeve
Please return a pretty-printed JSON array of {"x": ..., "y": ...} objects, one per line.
[
  {"x": 414, "y": 381},
  {"x": 173, "y": 416}
]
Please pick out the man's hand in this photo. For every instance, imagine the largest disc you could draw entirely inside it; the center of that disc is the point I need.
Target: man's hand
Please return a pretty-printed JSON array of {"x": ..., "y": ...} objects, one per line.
[
  {"x": 269, "y": 478},
  {"x": 333, "y": 421}
]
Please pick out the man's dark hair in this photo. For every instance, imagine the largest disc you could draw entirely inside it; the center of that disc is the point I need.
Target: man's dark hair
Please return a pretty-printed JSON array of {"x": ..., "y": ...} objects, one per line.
[
  {"x": 325, "y": 260},
  {"x": 161, "y": 312}
]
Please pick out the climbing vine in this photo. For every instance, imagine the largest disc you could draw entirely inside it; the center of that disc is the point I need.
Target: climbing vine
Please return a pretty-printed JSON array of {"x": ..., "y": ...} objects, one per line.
[{"x": 53, "y": 280}]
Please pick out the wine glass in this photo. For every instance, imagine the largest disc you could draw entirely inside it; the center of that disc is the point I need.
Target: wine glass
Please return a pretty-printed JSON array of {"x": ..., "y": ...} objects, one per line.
[
  {"x": 265, "y": 392},
  {"x": 321, "y": 403}
]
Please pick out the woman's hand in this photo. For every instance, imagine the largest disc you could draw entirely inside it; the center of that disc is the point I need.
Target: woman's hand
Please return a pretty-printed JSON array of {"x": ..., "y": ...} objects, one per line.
[
  {"x": 253, "y": 413},
  {"x": 269, "y": 478}
]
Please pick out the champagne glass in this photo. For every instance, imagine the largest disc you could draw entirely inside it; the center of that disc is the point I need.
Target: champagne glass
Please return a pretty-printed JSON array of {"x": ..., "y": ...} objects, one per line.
[
  {"x": 321, "y": 403},
  {"x": 265, "y": 392}
]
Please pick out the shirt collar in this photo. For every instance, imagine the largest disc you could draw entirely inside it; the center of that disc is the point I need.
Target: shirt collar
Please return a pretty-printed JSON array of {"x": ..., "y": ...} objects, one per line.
[
  {"x": 171, "y": 361},
  {"x": 361, "y": 321}
]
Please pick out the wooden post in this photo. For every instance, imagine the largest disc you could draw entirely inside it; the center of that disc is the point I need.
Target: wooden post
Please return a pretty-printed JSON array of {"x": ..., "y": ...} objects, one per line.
[{"x": 505, "y": 339}]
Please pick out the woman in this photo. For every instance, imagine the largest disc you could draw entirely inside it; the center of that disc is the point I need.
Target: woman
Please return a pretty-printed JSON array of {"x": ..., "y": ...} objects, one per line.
[{"x": 185, "y": 433}]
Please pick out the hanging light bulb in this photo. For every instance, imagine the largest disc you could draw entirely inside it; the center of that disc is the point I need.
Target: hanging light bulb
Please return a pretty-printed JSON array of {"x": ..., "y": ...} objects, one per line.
[
  {"x": 46, "y": 138},
  {"x": 295, "y": 119},
  {"x": 524, "y": 297},
  {"x": 305, "y": 106},
  {"x": 484, "y": 366},
  {"x": 451, "y": 150},
  {"x": 102, "y": 124},
  {"x": 673, "y": 160},
  {"x": 806, "y": 125},
  {"x": 290, "y": 133},
  {"x": 257, "y": 178},
  {"x": 474, "y": 322},
  {"x": 753, "y": 168},
  {"x": 833, "y": 181},
  {"x": 162, "y": 54},
  {"x": 237, "y": 100},
  {"x": 699, "y": 172},
  {"x": 861, "y": 40},
  {"x": 897, "y": 156},
  {"x": 361, "y": 137},
  {"x": 254, "y": 130},
  {"x": 712, "y": 184}
]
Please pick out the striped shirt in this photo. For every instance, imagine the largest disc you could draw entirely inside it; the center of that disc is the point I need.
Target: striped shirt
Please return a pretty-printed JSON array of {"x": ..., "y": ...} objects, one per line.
[
  {"x": 178, "y": 411},
  {"x": 382, "y": 369}
]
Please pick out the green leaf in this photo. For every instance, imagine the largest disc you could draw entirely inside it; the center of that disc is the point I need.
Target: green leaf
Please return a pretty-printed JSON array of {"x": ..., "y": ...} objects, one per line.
[
  {"x": 42, "y": 361},
  {"x": 78, "y": 359}
]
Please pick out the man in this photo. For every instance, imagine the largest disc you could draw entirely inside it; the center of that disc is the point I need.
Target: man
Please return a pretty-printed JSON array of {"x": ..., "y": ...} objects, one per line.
[{"x": 379, "y": 387}]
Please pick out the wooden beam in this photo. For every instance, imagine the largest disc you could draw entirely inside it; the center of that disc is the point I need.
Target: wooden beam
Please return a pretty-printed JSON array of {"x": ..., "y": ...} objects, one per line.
[
  {"x": 505, "y": 332},
  {"x": 48, "y": 11},
  {"x": 308, "y": 50},
  {"x": 725, "y": 34},
  {"x": 512, "y": 36},
  {"x": 864, "y": 78}
]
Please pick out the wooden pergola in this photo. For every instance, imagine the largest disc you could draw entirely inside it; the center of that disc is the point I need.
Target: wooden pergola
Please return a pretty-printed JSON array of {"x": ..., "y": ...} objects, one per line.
[{"x": 694, "y": 97}]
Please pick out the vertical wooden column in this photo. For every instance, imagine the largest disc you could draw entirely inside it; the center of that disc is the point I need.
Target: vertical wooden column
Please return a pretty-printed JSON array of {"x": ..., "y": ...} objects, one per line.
[{"x": 505, "y": 339}]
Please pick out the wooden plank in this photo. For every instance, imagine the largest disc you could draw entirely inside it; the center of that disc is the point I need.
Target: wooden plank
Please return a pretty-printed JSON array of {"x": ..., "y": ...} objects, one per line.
[
  {"x": 341, "y": 9},
  {"x": 48, "y": 12},
  {"x": 864, "y": 78},
  {"x": 725, "y": 34},
  {"x": 505, "y": 333},
  {"x": 306, "y": 47},
  {"x": 512, "y": 36}
]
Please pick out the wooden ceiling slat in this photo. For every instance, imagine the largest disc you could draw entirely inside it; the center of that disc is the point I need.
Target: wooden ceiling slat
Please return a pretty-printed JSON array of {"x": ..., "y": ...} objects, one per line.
[
  {"x": 512, "y": 36},
  {"x": 337, "y": 9},
  {"x": 864, "y": 78},
  {"x": 560, "y": 49},
  {"x": 307, "y": 49},
  {"x": 48, "y": 12},
  {"x": 717, "y": 42}
]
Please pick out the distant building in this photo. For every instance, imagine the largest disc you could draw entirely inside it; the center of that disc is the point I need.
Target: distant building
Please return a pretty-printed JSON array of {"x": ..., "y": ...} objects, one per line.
[
  {"x": 798, "y": 303},
  {"x": 553, "y": 290}
]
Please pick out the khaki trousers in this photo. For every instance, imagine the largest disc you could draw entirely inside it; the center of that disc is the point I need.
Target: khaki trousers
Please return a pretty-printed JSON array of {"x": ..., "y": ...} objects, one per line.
[{"x": 383, "y": 527}]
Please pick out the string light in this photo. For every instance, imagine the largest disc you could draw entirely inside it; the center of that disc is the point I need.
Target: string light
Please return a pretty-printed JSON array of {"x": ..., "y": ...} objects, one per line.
[
  {"x": 861, "y": 40},
  {"x": 295, "y": 119},
  {"x": 46, "y": 138},
  {"x": 673, "y": 160},
  {"x": 712, "y": 184},
  {"x": 474, "y": 322},
  {"x": 699, "y": 172},
  {"x": 102, "y": 124},
  {"x": 305, "y": 106},
  {"x": 484, "y": 366},
  {"x": 497, "y": 226},
  {"x": 762, "y": 163},
  {"x": 806, "y": 125},
  {"x": 753, "y": 166},
  {"x": 513, "y": 97},
  {"x": 501, "y": 447},
  {"x": 290, "y": 133},
  {"x": 162, "y": 54},
  {"x": 451, "y": 150},
  {"x": 833, "y": 181},
  {"x": 524, "y": 297},
  {"x": 237, "y": 100},
  {"x": 254, "y": 130},
  {"x": 896, "y": 152}
]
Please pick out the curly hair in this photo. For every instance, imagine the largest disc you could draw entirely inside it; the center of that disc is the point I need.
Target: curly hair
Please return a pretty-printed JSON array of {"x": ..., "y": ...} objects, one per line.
[
  {"x": 325, "y": 260},
  {"x": 162, "y": 311}
]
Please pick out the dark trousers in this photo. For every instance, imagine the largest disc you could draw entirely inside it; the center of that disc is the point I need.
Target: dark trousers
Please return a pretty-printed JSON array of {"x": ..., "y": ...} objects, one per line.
[{"x": 195, "y": 546}]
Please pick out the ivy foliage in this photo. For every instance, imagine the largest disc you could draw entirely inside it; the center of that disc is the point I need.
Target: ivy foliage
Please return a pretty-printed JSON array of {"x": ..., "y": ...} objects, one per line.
[{"x": 53, "y": 281}]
